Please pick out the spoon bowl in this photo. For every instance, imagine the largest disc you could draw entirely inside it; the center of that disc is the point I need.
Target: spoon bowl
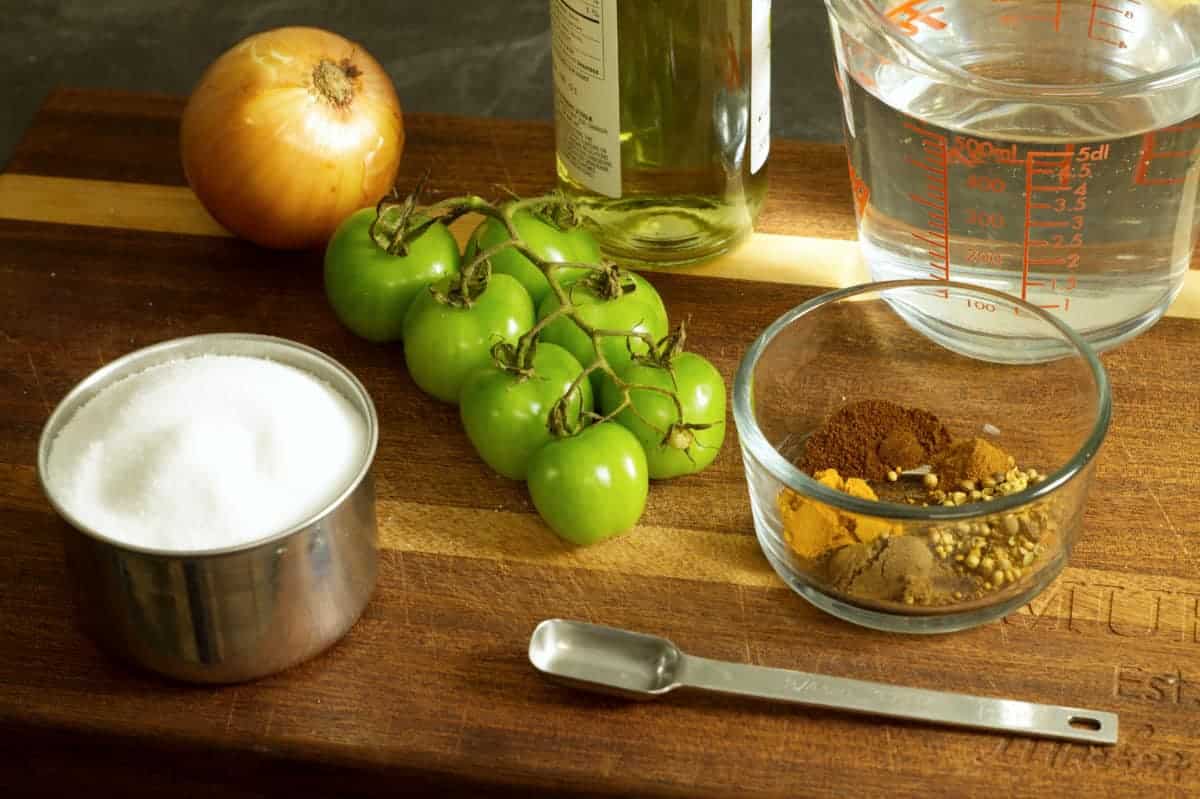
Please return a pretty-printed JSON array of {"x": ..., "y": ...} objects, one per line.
[{"x": 605, "y": 659}]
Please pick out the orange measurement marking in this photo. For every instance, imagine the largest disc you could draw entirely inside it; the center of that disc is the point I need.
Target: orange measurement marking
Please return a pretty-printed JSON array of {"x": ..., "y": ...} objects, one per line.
[
  {"x": 1151, "y": 153},
  {"x": 1010, "y": 20},
  {"x": 1038, "y": 162},
  {"x": 859, "y": 191},
  {"x": 907, "y": 16},
  {"x": 929, "y": 203},
  {"x": 934, "y": 197},
  {"x": 1097, "y": 19}
]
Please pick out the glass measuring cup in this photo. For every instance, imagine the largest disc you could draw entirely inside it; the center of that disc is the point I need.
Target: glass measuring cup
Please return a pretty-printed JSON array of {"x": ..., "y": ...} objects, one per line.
[{"x": 1049, "y": 149}]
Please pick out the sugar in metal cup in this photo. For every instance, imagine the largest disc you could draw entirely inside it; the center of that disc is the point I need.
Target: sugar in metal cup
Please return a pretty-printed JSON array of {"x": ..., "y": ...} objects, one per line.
[{"x": 226, "y": 613}]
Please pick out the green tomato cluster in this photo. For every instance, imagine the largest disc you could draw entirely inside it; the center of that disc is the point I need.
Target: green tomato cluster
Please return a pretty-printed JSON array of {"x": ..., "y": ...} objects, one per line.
[{"x": 589, "y": 485}]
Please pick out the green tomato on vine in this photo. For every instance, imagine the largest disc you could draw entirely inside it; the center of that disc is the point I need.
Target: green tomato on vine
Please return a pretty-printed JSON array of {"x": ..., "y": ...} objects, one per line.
[
  {"x": 445, "y": 343},
  {"x": 548, "y": 241},
  {"x": 590, "y": 486},
  {"x": 586, "y": 402},
  {"x": 371, "y": 289},
  {"x": 674, "y": 446},
  {"x": 506, "y": 413},
  {"x": 621, "y": 301}
]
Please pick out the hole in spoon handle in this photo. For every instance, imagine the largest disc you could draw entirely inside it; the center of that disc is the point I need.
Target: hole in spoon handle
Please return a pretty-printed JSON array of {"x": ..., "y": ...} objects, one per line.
[{"x": 1086, "y": 723}]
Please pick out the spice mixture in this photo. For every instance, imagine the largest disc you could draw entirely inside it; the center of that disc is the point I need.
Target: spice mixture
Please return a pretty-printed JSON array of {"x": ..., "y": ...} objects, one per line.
[{"x": 876, "y": 449}]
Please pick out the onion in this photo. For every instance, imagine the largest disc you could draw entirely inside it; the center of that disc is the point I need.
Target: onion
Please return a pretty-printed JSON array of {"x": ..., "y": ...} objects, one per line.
[{"x": 288, "y": 133}]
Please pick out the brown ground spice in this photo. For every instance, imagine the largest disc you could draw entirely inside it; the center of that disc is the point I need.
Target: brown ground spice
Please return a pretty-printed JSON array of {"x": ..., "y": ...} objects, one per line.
[
  {"x": 866, "y": 438},
  {"x": 971, "y": 459},
  {"x": 901, "y": 448}
]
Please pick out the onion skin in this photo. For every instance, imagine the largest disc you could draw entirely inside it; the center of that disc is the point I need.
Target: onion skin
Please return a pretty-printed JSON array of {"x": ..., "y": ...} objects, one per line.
[{"x": 279, "y": 151}]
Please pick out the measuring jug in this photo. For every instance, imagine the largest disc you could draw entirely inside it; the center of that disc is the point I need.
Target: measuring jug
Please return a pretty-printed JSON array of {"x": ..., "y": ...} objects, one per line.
[{"x": 1046, "y": 148}]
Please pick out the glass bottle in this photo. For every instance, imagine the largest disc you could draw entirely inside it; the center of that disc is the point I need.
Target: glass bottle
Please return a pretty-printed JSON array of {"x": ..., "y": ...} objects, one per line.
[{"x": 662, "y": 121}]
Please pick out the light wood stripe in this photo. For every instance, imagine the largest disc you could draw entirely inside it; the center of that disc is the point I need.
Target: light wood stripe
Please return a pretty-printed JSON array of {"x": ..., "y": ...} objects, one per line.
[
  {"x": 774, "y": 258},
  {"x": 103, "y": 203},
  {"x": 646, "y": 551},
  {"x": 1084, "y": 598},
  {"x": 699, "y": 556}
]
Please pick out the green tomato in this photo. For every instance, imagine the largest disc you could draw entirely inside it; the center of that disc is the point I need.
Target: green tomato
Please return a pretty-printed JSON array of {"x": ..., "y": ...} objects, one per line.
[
  {"x": 590, "y": 486},
  {"x": 547, "y": 240},
  {"x": 506, "y": 415},
  {"x": 701, "y": 392},
  {"x": 371, "y": 290},
  {"x": 443, "y": 344},
  {"x": 638, "y": 310}
]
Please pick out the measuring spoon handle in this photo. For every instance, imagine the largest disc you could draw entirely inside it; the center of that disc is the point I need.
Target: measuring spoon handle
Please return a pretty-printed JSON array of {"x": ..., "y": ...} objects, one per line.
[{"x": 917, "y": 704}]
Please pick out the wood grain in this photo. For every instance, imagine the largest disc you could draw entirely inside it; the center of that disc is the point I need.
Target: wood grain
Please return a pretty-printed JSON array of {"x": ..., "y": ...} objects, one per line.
[{"x": 431, "y": 691}]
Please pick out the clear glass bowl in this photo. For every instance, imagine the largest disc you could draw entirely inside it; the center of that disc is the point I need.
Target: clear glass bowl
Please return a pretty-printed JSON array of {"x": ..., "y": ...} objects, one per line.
[{"x": 1050, "y": 412}]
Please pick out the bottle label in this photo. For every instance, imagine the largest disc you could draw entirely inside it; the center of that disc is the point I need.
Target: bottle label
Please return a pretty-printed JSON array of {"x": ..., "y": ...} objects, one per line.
[
  {"x": 760, "y": 84},
  {"x": 587, "y": 112}
]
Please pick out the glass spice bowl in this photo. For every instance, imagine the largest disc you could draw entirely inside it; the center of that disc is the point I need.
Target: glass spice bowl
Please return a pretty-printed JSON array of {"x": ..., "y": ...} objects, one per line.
[{"x": 1050, "y": 411}]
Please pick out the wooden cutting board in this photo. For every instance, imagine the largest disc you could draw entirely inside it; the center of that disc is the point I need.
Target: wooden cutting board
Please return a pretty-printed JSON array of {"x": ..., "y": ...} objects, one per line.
[{"x": 103, "y": 250}]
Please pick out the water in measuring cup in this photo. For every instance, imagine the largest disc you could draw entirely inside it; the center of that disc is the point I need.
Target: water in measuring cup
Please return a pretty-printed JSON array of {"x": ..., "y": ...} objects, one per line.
[{"x": 1085, "y": 208}]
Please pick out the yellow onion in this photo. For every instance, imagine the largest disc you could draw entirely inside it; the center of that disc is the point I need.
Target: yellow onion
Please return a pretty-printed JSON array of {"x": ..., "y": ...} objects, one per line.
[{"x": 290, "y": 132}]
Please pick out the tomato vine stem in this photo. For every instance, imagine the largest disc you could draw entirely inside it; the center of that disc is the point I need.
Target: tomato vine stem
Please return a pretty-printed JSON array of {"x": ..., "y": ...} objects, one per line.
[{"x": 606, "y": 280}]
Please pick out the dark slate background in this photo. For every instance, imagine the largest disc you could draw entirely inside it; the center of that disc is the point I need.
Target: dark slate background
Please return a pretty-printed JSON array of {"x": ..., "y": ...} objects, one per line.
[{"x": 477, "y": 57}]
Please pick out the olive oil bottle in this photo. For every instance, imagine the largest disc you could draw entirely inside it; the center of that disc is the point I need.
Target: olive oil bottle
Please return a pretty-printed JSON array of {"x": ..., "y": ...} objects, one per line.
[{"x": 662, "y": 121}]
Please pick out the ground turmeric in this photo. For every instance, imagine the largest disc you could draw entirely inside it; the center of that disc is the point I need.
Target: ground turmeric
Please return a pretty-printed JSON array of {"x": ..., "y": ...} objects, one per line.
[{"x": 812, "y": 528}]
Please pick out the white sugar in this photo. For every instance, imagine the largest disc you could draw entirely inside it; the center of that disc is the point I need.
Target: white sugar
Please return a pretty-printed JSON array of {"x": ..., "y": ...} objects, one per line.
[{"x": 206, "y": 452}]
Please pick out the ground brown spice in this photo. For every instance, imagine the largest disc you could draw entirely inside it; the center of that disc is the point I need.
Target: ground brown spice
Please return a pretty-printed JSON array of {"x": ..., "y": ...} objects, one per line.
[
  {"x": 971, "y": 459},
  {"x": 901, "y": 448},
  {"x": 867, "y": 438}
]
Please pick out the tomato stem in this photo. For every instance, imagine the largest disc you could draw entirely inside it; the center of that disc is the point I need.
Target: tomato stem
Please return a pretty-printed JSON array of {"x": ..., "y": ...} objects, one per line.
[
  {"x": 606, "y": 280},
  {"x": 527, "y": 342},
  {"x": 559, "y": 421}
]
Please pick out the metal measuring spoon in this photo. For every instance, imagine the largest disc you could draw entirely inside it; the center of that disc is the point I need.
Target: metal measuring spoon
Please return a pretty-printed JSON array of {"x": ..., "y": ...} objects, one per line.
[{"x": 638, "y": 666}]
